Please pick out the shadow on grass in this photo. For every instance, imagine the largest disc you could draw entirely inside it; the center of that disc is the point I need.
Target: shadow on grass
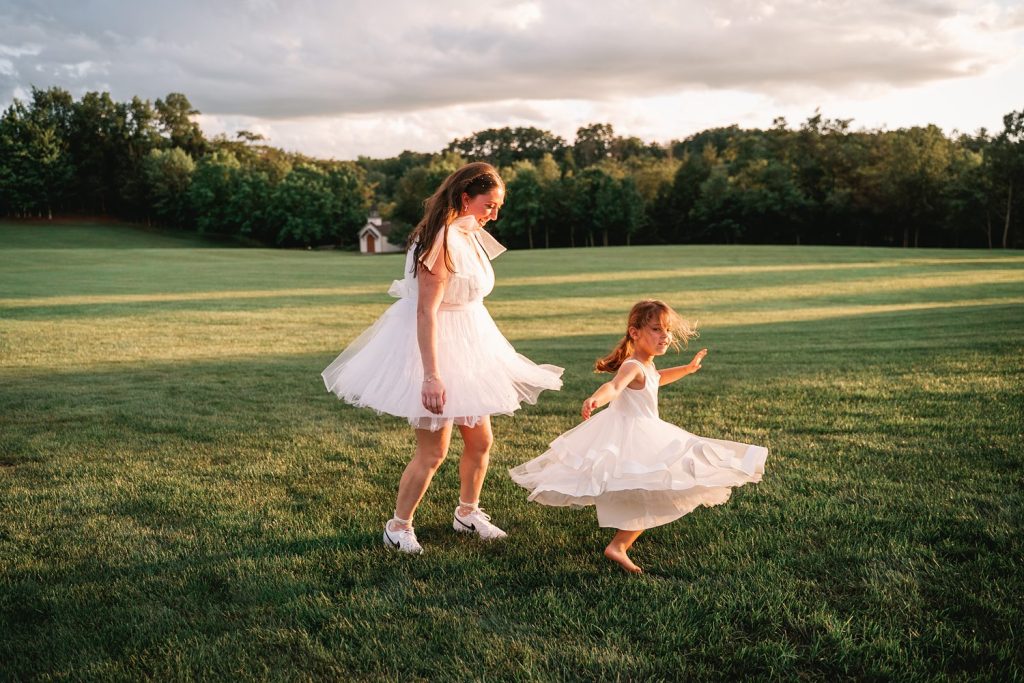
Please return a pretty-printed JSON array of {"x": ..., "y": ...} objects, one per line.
[{"x": 101, "y": 234}]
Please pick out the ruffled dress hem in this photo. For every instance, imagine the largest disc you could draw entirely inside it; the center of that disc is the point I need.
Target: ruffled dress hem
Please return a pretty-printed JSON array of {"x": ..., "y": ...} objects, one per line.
[{"x": 637, "y": 470}]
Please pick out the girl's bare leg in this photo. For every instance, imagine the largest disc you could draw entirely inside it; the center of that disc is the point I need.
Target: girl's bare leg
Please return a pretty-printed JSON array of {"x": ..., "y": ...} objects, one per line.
[
  {"x": 476, "y": 455},
  {"x": 431, "y": 449},
  {"x": 616, "y": 550}
]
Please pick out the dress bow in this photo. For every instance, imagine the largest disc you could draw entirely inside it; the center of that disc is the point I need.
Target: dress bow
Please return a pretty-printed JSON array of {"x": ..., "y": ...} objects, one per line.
[{"x": 468, "y": 225}]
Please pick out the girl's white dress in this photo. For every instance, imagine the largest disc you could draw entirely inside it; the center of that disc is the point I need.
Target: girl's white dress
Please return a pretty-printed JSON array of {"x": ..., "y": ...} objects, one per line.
[
  {"x": 636, "y": 469},
  {"x": 482, "y": 373}
]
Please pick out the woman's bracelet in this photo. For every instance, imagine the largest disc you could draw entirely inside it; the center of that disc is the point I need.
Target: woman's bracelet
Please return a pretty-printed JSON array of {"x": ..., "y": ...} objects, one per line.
[{"x": 430, "y": 378}]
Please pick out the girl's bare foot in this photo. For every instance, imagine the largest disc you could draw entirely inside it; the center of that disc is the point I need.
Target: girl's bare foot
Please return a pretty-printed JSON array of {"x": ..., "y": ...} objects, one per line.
[{"x": 620, "y": 558}]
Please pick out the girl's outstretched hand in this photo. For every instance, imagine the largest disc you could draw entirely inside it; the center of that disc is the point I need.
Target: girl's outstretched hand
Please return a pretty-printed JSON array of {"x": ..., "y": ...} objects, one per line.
[
  {"x": 588, "y": 408},
  {"x": 695, "y": 363}
]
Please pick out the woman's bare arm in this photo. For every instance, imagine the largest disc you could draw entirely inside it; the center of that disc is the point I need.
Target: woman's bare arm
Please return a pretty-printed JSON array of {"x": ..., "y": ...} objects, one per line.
[{"x": 431, "y": 292}]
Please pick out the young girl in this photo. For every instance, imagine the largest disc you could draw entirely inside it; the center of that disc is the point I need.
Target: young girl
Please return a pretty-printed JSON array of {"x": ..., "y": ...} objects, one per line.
[
  {"x": 436, "y": 358},
  {"x": 637, "y": 470}
]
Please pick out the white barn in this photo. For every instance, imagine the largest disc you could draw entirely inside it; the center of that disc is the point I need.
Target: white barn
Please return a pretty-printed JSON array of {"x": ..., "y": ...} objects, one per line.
[{"x": 373, "y": 238}]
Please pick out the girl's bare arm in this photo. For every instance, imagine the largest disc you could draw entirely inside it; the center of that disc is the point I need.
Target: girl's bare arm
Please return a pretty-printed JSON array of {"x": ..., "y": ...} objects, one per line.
[
  {"x": 669, "y": 375},
  {"x": 610, "y": 389}
]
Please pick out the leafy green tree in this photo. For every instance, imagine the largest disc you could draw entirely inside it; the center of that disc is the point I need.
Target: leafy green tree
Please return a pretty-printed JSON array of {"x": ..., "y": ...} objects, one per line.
[
  {"x": 19, "y": 193},
  {"x": 768, "y": 202},
  {"x": 419, "y": 182},
  {"x": 214, "y": 183},
  {"x": 168, "y": 175},
  {"x": 50, "y": 167},
  {"x": 548, "y": 170},
  {"x": 654, "y": 180},
  {"x": 314, "y": 206},
  {"x": 96, "y": 140},
  {"x": 631, "y": 209},
  {"x": 910, "y": 170},
  {"x": 716, "y": 213},
  {"x": 35, "y": 168},
  {"x": 525, "y": 198},
  {"x": 250, "y": 204},
  {"x": 49, "y": 126},
  {"x": 593, "y": 143},
  {"x": 718, "y": 139},
  {"x": 141, "y": 137},
  {"x": 549, "y": 175},
  {"x": 175, "y": 113},
  {"x": 503, "y": 147},
  {"x": 562, "y": 219},
  {"x": 676, "y": 211},
  {"x": 384, "y": 175},
  {"x": 1007, "y": 167},
  {"x": 966, "y": 198},
  {"x": 608, "y": 206}
]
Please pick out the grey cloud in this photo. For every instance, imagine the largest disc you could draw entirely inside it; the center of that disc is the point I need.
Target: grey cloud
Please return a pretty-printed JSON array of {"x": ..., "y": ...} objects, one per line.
[{"x": 306, "y": 58}]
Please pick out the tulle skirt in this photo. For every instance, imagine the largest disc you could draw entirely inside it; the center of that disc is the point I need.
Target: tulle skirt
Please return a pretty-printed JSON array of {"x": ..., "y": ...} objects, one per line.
[
  {"x": 482, "y": 373},
  {"x": 639, "y": 472}
]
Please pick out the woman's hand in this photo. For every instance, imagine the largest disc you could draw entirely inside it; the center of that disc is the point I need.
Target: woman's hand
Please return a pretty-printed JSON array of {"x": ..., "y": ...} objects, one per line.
[
  {"x": 433, "y": 394},
  {"x": 588, "y": 408},
  {"x": 695, "y": 363}
]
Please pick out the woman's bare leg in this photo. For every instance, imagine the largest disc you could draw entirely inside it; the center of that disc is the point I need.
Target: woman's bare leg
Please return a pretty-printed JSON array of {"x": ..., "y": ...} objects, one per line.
[
  {"x": 476, "y": 455},
  {"x": 431, "y": 449}
]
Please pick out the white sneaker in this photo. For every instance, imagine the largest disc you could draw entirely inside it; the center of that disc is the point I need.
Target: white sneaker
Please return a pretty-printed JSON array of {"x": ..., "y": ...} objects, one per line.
[
  {"x": 402, "y": 540},
  {"x": 477, "y": 522}
]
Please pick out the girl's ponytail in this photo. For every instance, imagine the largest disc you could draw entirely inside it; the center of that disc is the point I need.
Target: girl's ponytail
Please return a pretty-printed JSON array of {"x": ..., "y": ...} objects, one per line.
[{"x": 611, "y": 362}]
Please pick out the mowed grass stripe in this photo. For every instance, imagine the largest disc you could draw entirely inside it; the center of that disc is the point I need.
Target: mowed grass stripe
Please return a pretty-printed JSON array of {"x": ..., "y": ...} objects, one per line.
[
  {"x": 242, "y": 335},
  {"x": 514, "y": 286}
]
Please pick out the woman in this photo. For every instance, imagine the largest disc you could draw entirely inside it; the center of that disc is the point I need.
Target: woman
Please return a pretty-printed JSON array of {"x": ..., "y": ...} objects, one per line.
[{"x": 436, "y": 358}]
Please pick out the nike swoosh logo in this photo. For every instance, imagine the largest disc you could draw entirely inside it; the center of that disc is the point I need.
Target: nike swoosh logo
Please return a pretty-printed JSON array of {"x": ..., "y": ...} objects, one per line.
[
  {"x": 393, "y": 541},
  {"x": 471, "y": 527}
]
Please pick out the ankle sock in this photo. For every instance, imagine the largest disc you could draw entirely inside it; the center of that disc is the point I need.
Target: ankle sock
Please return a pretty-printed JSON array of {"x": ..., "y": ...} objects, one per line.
[{"x": 398, "y": 519}]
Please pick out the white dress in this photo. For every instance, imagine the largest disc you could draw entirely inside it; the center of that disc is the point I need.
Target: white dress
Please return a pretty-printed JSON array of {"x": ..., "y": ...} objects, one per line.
[
  {"x": 636, "y": 469},
  {"x": 482, "y": 373}
]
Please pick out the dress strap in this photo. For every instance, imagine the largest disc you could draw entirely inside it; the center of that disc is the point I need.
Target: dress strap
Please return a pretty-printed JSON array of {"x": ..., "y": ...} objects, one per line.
[
  {"x": 634, "y": 360},
  {"x": 648, "y": 381}
]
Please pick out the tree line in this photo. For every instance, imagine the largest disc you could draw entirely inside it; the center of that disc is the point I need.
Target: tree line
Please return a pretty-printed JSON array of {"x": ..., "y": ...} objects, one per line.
[
  {"x": 820, "y": 182},
  {"x": 151, "y": 163}
]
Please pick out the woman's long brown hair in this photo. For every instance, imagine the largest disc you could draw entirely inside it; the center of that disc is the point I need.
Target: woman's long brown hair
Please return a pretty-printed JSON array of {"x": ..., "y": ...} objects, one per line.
[
  {"x": 641, "y": 315},
  {"x": 442, "y": 207}
]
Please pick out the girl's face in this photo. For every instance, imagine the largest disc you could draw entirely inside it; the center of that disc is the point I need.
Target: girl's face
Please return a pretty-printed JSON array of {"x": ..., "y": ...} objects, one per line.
[
  {"x": 652, "y": 339},
  {"x": 484, "y": 207}
]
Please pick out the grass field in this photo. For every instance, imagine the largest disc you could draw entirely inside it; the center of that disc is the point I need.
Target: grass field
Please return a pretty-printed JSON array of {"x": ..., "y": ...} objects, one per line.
[{"x": 180, "y": 498}]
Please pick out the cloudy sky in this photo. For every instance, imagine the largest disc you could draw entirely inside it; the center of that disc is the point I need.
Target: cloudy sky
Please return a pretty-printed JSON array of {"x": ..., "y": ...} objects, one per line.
[{"x": 342, "y": 78}]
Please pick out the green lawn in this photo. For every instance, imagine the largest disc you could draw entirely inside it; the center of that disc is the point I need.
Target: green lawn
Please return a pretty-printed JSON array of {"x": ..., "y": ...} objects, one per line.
[{"x": 180, "y": 498}]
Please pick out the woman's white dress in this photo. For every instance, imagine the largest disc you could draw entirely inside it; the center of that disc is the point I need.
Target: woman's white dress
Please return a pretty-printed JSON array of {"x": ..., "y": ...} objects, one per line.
[
  {"x": 636, "y": 469},
  {"x": 482, "y": 373}
]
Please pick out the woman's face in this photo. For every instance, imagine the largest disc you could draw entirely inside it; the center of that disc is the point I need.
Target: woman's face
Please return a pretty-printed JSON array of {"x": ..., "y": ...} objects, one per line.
[{"x": 484, "y": 207}]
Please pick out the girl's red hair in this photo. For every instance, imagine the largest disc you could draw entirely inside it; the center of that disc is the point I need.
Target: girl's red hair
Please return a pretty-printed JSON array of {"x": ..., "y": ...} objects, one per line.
[{"x": 641, "y": 315}]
